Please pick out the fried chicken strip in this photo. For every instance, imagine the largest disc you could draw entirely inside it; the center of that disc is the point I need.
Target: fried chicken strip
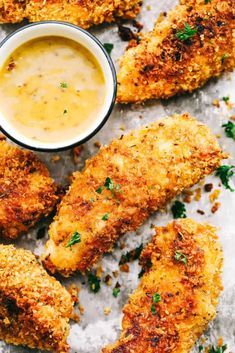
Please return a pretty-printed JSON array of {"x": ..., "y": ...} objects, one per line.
[
  {"x": 26, "y": 190},
  {"x": 177, "y": 295},
  {"x": 193, "y": 43},
  {"x": 34, "y": 307},
  {"x": 127, "y": 180},
  {"x": 83, "y": 13}
]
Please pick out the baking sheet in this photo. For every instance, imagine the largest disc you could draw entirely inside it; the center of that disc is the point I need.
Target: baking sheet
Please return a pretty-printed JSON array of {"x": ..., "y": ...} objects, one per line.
[{"x": 95, "y": 328}]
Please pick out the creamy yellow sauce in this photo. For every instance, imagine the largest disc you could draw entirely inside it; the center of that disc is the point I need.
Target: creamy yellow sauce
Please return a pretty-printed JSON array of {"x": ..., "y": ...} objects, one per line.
[{"x": 51, "y": 89}]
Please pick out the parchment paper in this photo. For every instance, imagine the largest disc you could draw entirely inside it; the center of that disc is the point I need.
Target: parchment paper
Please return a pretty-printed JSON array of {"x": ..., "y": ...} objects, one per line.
[{"x": 96, "y": 329}]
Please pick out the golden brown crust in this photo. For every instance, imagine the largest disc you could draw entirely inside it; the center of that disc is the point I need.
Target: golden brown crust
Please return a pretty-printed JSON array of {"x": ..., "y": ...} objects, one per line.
[
  {"x": 162, "y": 65},
  {"x": 26, "y": 190},
  {"x": 151, "y": 166},
  {"x": 84, "y": 13},
  {"x": 34, "y": 307},
  {"x": 189, "y": 292}
]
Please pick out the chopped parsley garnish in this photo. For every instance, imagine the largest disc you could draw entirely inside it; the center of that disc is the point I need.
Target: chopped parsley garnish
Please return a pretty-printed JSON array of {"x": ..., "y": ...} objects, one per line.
[
  {"x": 225, "y": 99},
  {"x": 108, "y": 47},
  {"x": 225, "y": 172},
  {"x": 156, "y": 298},
  {"x": 99, "y": 190},
  {"x": 63, "y": 85},
  {"x": 116, "y": 292},
  {"x": 180, "y": 257},
  {"x": 218, "y": 349},
  {"x": 207, "y": 1},
  {"x": 105, "y": 217},
  {"x": 153, "y": 309},
  {"x": 200, "y": 348},
  {"x": 187, "y": 33},
  {"x": 224, "y": 57},
  {"x": 178, "y": 209},
  {"x": 94, "y": 282},
  {"x": 229, "y": 129},
  {"x": 65, "y": 111},
  {"x": 131, "y": 255},
  {"x": 76, "y": 238},
  {"x": 109, "y": 185}
]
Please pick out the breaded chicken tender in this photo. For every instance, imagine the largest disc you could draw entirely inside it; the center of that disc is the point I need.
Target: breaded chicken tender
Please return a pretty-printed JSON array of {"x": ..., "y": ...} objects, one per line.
[
  {"x": 194, "y": 42},
  {"x": 26, "y": 190},
  {"x": 177, "y": 295},
  {"x": 83, "y": 13},
  {"x": 125, "y": 182},
  {"x": 34, "y": 307}
]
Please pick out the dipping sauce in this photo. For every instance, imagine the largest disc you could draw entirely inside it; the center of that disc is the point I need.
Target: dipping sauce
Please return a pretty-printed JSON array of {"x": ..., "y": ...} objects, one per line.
[{"x": 51, "y": 89}]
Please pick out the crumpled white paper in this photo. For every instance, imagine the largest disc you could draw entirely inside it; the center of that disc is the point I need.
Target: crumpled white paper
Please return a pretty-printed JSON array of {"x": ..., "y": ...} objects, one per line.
[{"x": 95, "y": 329}]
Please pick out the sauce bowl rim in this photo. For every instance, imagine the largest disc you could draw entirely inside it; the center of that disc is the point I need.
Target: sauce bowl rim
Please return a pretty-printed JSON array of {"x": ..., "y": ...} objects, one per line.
[{"x": 114, "y": 79}]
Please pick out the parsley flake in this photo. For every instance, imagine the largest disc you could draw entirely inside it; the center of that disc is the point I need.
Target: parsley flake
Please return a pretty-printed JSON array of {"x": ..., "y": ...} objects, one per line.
[
  {"x": 225, "y": 99},
  {"x": 156, "y": 298},
  {"x": 131, "y": 255},
  {"x": 218, "y": 349},
  {"x": 178, "y": 209},
  {"x": 94, "y": 283},
  {"x": 207, "y": 1},
  {"x": 116, "y": 292},
  {"x": 76, "y": 238},
  {"x": 153, "y": 309},
  {"x": 224, "y": 57},
  {"x": 109, "y": 185},
  {"x": 63, "y": 85},
  {"x": 187, "y": 33},
  {"x": 225, "y": 172},
  {"x": 108, "y": 47},
  {"x": 229, "y": 129},
  {"x": 180, "y": 257},
  {"x": 105, "y": 217}
]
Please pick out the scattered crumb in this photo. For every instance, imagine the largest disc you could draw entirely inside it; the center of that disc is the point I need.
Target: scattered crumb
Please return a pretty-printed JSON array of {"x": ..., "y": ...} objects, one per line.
[
  {"x": 215, "y": 207},
  {"x": 198, "y": 194},
  {"x": 216, "y": 103},
  {"x": 99, "y": 271},
  {"x": 73, "y": 291},
  {"x": 55, "y": 158},
  {"x": 200, "y": 212},
  {"x": 232, "y": 117},
  {"x": 148, "y": 7},
  {"x": 122, "y": 128},
  {"x": 116, "y": 274},
  {"x": 214, "y": 196},
  {"x": 6, "y": 321},
  {"x": 208, "y": 187},
  {"x": 122, "y": 245},
  {"x": 218, "y": 136},
  {"x": 97, "y": 144},
  {"x": 76, "y": 152},
  {"x": 124, "y": 268},
  {"x": 75, "y": 317},
  {"x": 187, "y": 196},
  {"x": 108, "y": 280},
  {"x": 107, "y": 311},
  {"x": 220, "y": 341}
]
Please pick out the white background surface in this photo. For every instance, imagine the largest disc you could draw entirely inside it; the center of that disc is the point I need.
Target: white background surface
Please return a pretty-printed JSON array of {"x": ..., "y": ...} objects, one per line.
[{"x": 95, "y": 329}]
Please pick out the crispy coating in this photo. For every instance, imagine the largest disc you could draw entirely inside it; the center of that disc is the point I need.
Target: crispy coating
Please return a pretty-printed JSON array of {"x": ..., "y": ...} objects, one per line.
[
  {"x": 26, "y": 190},
  {"x": 34, "y": 307},
  {"x": 163, "y": 65},
  {"x": 83, "y": 13},
  {"x": 148, "y": 167},
  {"x": 188, "y": 292}
]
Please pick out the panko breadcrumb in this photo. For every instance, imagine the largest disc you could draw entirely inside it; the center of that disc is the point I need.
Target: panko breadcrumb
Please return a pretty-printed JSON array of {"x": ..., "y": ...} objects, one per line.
[
  {"x": 177, "y": 296},
  {"x": 125, "y": 182},
  {"x": 26, "y": 190},
  {"x": 34, "y": 307},
  {"x": 83, "y": 13},
  {"x": 193, "y": 43}
]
